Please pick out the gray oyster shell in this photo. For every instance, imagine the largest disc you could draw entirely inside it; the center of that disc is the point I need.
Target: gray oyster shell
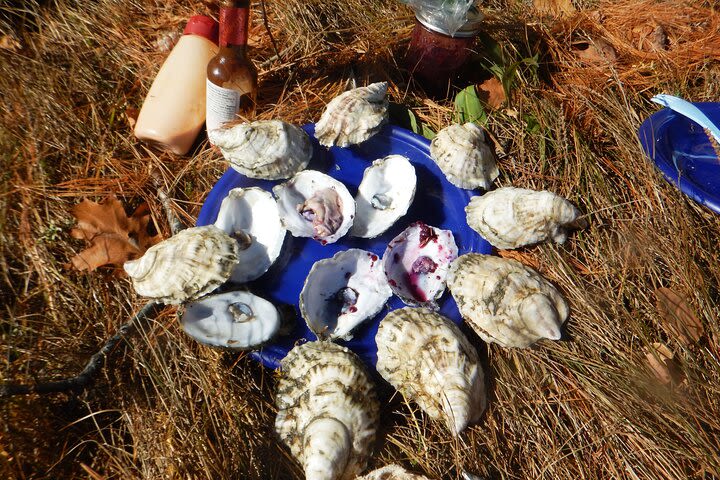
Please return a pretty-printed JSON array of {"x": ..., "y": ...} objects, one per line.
[
  {"x": 392, "y": 472},
  {"x": 464, "y": 156}
]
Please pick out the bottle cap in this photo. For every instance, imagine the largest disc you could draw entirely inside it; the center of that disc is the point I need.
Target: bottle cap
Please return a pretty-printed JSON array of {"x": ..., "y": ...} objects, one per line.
[{"x": 203, "y": 26}]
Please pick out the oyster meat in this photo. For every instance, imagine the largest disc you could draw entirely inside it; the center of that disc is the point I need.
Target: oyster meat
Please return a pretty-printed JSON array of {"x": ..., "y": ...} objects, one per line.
[
  {"x": 186, "y": 266},
  {"x": 416, "y": 262},
  {"x": 353, "y": 116},
  {"x": 250, "y": 215},
  {"x": 328, "y": 411},
  {"x": 312, "y": 204},
  {"x": 267, "y": 149},
  {"x": 392, "y": 472},
  {"x": 384, "y": 195},
  {"x": 428, "y": 359},
  {"x": 464, "y": 156},
  {"x": 238, "y": 320},
  {"x": 506, "y": 302},
  {"x": 512, "y": 217},
  {"x": 343, "y": 291}
]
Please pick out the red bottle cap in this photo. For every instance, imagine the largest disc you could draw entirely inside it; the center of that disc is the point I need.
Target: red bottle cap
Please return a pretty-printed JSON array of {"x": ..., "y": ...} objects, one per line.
[{"x": 203, "y": 26}]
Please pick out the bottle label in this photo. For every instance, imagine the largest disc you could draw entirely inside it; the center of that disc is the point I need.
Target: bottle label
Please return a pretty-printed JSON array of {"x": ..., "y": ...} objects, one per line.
[
  {"x": 222, "y": 105},
  {"x": 234, "y": 26}
]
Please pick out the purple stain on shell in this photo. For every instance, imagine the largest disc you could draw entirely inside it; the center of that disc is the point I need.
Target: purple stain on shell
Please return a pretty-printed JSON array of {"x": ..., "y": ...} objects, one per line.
[{"x": 424, "y": 265}]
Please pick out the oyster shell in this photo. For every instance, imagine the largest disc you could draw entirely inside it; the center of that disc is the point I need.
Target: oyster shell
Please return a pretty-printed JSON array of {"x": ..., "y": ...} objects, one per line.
[
  {"x": 384, "y": 195},
  {"x": 392, "y": 472},
  {"x": 353, "y": 116},
  {"x": 343, "y": 291},
  {"x": 250, "y": 215},
  {"x": 267, "y": 149},
  {"x": 428, "y": 359},
  {"x": 505, "y": 301},
  {"x": 463, "y": 155},
  {"x": 186, "y": 266},
  {"x": 238, "y": 320},
  {"x": 328, "y": 411},
  {"x": 512, "y": 217},
  {"x": 416, "y": 262},
  {"x": 312, "y": 204}
]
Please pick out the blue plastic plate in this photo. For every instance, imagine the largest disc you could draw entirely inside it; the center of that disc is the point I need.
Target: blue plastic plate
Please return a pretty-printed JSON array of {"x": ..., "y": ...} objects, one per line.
[
  {"x": 683, "y": 153},
  {"x": 437, "y": 203}
]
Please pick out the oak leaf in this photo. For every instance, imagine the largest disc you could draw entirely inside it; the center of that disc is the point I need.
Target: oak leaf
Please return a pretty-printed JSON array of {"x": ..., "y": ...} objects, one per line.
[
  {"x": 677, "y": 317},
  {"x": 491, "y": 91}
]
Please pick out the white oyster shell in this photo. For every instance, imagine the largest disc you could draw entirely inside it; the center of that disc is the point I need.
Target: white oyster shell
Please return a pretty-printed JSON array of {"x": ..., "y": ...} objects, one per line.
[
  {"x": 312, "y": 204},
  {"x": 186, "y": 266},
  {"x": 512, "y": 217},
  {"x": 463, "y": 155},
  {"x": 384, "y": 195},
  {"x": 250, "y": 215},
  {"x": 353, "y": 116},
  {"x": 328, "y": 411},
  {"x": 505, "y": 301},
  {"x": 237, "y": 320},
  {"x": 343, "y": 291},
  {"x": 416, "y": 263},
  {"x": 428, "y": 359},
  {"x": 392, "y": 472},
  {"x": 267, "y": 149}
]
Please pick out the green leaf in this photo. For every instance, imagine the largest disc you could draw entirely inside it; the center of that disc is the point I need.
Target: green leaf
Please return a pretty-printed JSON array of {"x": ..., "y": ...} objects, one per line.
[
  {"x": 468, "y": 107},
  {"x": 402, "y": 116}
]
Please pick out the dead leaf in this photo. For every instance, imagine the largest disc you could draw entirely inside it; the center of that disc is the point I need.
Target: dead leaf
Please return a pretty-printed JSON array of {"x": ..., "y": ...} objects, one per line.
[
  {"x": 650, "y": 38},
  {"x": 492, "y": 93},
  {"x": 677, "y": 317},
  {"x": 663, "y": 364},
  {"x": 131, "y": 114},
  {"x": 595, "y": 51},
  {"x": 555, "y": 8}
]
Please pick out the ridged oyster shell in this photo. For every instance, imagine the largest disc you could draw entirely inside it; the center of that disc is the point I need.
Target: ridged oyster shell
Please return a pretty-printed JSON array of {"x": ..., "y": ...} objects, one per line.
[
  {"x": 328, "y": 410},
  {"x": 250, "y": 215},
  {"x": 343, "y": 291},
  {"x": 505, "y": 301},
  {"x": 186, "y": 266},
  {"x": 392, "y": 472},
  {"x": 428, "y": 359},
  {"x": 353, "y": 116},
  {"x": 512, "y": 217},
  {"x": 312, "y": 204},
  {"x": 385, "y": 193},
  {"x": 464, "y": 156},
  {"x": 416, "y": 262},
  {"x": 237, "y": 320},
  {"x": 267, "y": 149}
]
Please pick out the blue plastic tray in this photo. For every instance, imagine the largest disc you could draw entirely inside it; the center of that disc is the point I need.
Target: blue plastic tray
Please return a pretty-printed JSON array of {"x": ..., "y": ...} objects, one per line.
[
  {"x": 683, "y": 153},
  {"x": 437, "y": 203}
]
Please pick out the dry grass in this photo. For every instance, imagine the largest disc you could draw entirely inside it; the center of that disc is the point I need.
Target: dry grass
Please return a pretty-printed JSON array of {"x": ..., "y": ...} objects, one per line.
[{"x": 584, "y": 408}]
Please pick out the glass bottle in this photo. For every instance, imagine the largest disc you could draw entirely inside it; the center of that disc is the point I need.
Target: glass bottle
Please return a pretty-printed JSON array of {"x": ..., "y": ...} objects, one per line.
[{"x": 231, "y": 76}]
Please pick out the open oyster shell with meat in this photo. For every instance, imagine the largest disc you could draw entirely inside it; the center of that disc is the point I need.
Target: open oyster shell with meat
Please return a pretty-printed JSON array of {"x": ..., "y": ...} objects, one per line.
[
  {"x": 353, "y": 116},
  {"x": 250, "y": 215},
  {"x": 464, "y": 156},
  {"x": 506, "y": 302},
  {"x": 266, "y": 149},
  {"x": 312, "y": 204},
  {"x": 342, "y": 292},
  {"x": 328, "y": 411},
  {"x": 385, "y": 193}
]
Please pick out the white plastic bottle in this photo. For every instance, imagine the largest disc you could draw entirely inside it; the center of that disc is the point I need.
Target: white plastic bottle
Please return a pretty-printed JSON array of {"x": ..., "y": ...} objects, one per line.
[{"x": 174, "y": 109}]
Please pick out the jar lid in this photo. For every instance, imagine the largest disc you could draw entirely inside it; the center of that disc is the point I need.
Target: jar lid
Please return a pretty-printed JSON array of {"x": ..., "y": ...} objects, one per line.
[
  {"x": 203, "y": 26},
  {"x": 437, "y": 22}
]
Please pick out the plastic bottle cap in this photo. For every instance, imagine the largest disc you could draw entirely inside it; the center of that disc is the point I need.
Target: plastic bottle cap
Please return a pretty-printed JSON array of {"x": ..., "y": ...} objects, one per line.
[{"x": 203, "y": 26}]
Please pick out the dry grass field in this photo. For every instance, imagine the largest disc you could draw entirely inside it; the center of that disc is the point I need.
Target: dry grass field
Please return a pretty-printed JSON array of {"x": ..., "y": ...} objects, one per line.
[{"x": 596, "y": 405}]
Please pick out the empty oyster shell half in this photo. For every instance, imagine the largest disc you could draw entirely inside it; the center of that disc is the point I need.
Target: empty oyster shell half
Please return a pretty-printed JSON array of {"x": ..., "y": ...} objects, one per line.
[
  {"x": 512, "y": 217},
  {"x": 250, "y": 215},
  {"x": 392, "y": 472},
  {"x": 463, "y": 155},
  {"x": 328, "y": 411},
  {"x": 384, "y": 195},
  {"x": 353, "y": 116},
  {"x": 343, "y": 291},
  {"x": 267, "y": 149},
  {"x": 505, "y": 301},
  {"x": 238, "y": 320},
  {"x": 312, "y": 204},
  {"x": 428, "y": 359},
  {"x": 416, "y": 262},
  {"x": 186, "y": 266}
]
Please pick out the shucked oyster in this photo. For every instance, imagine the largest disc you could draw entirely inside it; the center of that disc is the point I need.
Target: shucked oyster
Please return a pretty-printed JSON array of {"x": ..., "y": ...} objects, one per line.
[
  {"x": 512, "y": 217},
  {"x": 313, "y": 204},
  {"x": 506, "y": 302},
  {"x": 186, "y": 266},
  {"x": 267, "y": 149},
  {"x": 353, "y": 116},
  {"x": 328, "y": 411},
  {"x": 463, "y": 155},
  {"x": 384, "y": 195}
]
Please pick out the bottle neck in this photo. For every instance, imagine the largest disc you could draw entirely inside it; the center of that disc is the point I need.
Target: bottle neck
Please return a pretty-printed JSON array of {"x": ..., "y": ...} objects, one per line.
[{"x": 234, "y": 23}]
